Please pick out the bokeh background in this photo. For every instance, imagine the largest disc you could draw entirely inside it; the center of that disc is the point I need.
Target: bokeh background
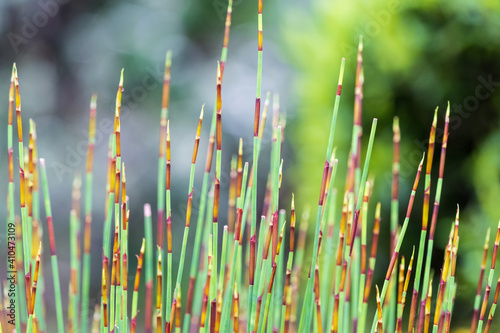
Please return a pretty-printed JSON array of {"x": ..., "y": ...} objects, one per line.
[{"x": 417, "y": 56}]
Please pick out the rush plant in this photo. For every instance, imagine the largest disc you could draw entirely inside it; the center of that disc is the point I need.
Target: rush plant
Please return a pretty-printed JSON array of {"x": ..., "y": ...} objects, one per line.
[{"x": 258, "y": 279}]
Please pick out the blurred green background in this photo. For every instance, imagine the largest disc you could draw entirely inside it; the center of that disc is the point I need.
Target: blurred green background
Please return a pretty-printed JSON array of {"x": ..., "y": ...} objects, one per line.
[{"x": 417, "y": 55}]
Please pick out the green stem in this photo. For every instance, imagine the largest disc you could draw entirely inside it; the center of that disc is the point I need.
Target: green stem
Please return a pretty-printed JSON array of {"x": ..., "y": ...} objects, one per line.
[
  {"x": 55, "y": 269},
  {"x": 400, "y": 240}
]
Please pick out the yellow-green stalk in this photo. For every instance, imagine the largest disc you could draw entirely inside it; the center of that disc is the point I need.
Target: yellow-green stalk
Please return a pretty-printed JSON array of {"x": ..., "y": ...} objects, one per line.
[
  {"x": 396, "y": 138},
  {"x": 158, "y": 293},
  {"x": 160, "y": 195},
  {"x": 110, "y": 187},
  {"x": 489, "y": 281},
  {"x": 73, "y": 296},
  {"x": 287, "y": 293},
  {"x": 379, "y": 313},
  {"x": 442, "y": 288},
  {"x": 371, "y": 269},
  {"x": 148, "y": 231},
  {"x": 206, "y": 292},
  {"x": 437, "y": 199},
  {"x": 124, "y": 259},
  {"x": 31, "y": 305},
  {"x": 55, "y": 269},
  {"x": 104, "y": 292},
  {"x": 226, "y": 310},
  {"x": 88, "y": 215},
  {"x": 11, "y": 206},
  {"x": 22, "y": 190},
  {"x": 169, "y": 228},
  {"x": 137, "y": 280},
  {"x": 255, "y": 163},
  {"x": 403, "y": 290},
  {"x": 177, "y": 290},
  {"x": 306, "y": 314},
  {"x": 400, "y": 238},
  {"x": 493, "y": 308},
  {"x": 477, "y": 299},
  {"x": 215, "y": 224},
  {"x": 425, "y": 219},
  {"x": 271, "y": 281},
  {"x": 362, "y": 279}
]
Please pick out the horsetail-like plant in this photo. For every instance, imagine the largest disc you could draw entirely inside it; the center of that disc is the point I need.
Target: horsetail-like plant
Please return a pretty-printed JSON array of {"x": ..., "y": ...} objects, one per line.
[
  {"x": 489, "y": 280},
  {"x": 401, "y": 236},
  {"x": 306, "y": 312},
  {"x": 137, "y": 279},
  {"x": 437, "y": 199},
  {"x": 255, "y": 160},
  {"x": 425, "y": 218},
  {"x": 73, "y": 289},
  {"x": 493, "y": 308},
  {"x": 255, "y": 283},
  {"x": 88, "y": 214},
  {"x": 32, "y": 292},
  {"x": 169, "y": 226},
  {"x": 395, "y": 191},
  {"x": 477, "y": 299},
  {"x": 177, "y": 293},
  {"x": 159, "y": 276},
  {"x": 232, "y": 285},
  {"x": 53, "y": 255},
  {"x": 214, "y": 289}
]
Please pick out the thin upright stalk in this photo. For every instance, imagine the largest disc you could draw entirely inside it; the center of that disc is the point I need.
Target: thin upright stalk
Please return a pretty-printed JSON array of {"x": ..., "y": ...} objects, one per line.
[
  {"x": 88, "y": 215},
  {"x": 108, "y": 213},
  {"x": 104, "y": 293},
  {"x": 425, "y": 219},
  {"x": 477, "y": 299},
  {"x": 148, "y": 231},
  {"x": 73, "y": 289},
  {"x": 193, "y": 280},
  {"x": 177, "y": 292},
  {"x": 400, "y": 238},
  {"x": 437, "y": 199},
  {"x": 362, "y": 279},
  {"x": 256, "y": 144},
  {"x": 379, "y": 313},
  {"x": 158, "y": 293},
  {"x": 235, "y": 253},
  {"x": 442, "y": 288},
  {"x": 124, "y": 258},
  {"x": 396, "y": 138},
  {"x": 287, "y": 293},
  {"x": 31, "y": 305},
  {"x": 493, "y": 308},
  {"x": 307, "y": 309},
  {"x": 404, "y": 288},
  {"x": 11, "y": 206},
  {"x": 489, "y": 281},
  {"x": 271, "y": 282},
  {"x": 371, "y": 269},
  {"x": 55, "y": 268},
  {"x": 206, "y": 293},
  {"x": 215, "y": 224},
  {"x": 160, "y": 195},
  {"x": 136, "y": 287},
  {"x": 169, "y": 228}
]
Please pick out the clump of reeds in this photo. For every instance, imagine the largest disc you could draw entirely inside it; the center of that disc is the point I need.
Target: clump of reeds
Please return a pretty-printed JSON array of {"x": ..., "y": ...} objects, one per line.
[{"x": 254, "y": 281}]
